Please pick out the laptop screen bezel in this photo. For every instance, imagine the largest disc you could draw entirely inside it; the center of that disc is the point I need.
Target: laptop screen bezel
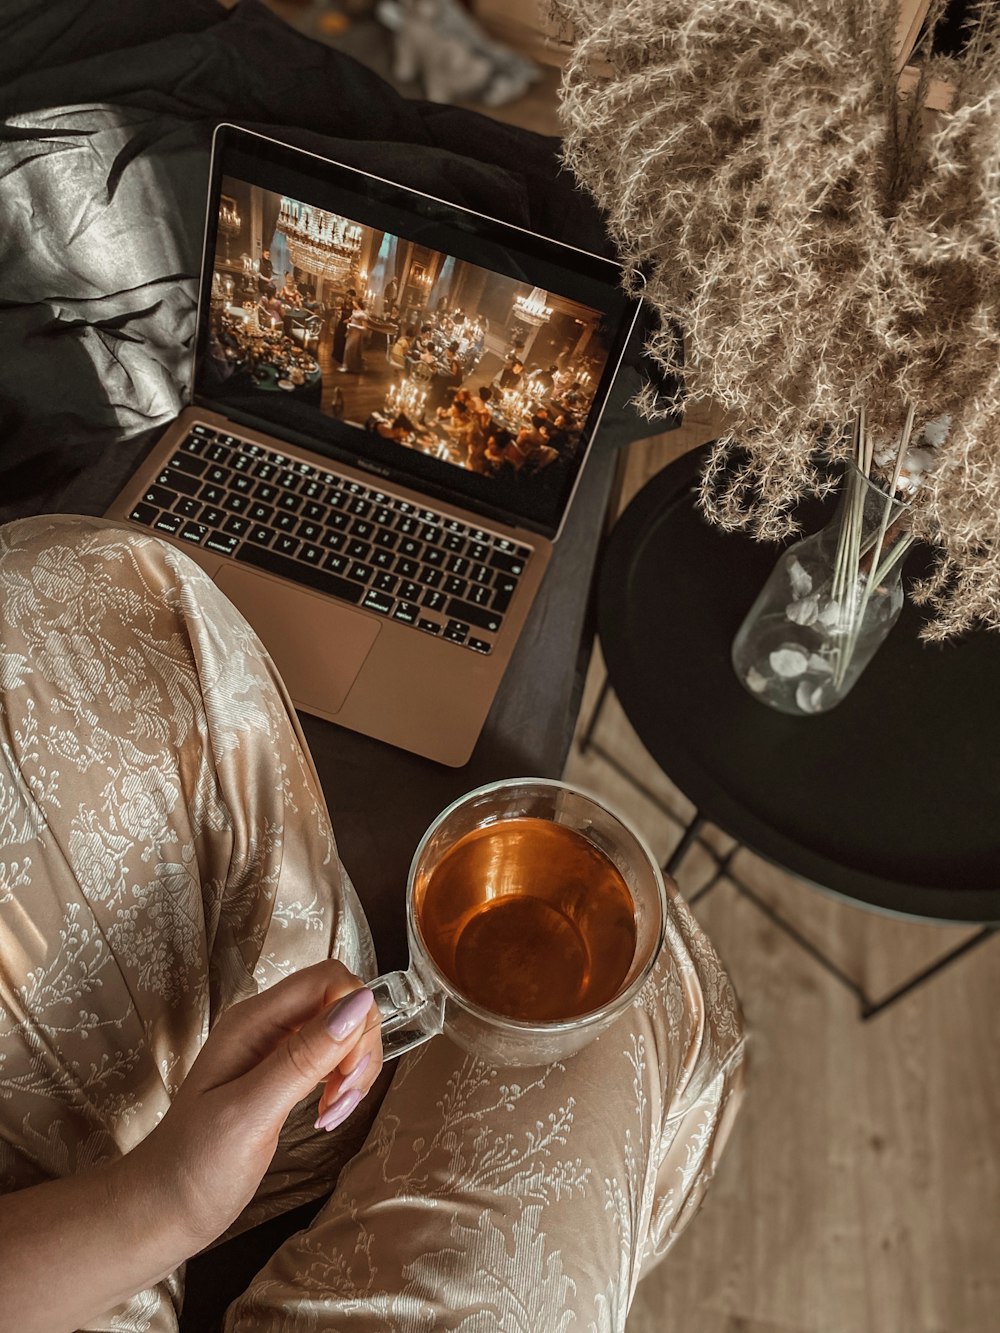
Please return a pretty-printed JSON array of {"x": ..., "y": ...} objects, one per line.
[{"x": 261, "y": 160}]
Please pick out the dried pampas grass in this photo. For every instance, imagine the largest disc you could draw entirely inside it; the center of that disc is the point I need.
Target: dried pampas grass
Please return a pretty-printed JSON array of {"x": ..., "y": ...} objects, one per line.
[{"x": 825, "y": 245}]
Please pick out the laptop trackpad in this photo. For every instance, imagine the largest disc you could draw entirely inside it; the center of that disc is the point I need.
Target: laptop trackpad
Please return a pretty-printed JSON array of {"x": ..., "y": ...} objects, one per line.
[{"x": 317, "y": 645}]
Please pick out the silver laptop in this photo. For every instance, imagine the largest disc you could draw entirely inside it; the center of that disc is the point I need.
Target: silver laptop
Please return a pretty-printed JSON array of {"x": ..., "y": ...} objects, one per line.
[{"x": 392, "y": 401}]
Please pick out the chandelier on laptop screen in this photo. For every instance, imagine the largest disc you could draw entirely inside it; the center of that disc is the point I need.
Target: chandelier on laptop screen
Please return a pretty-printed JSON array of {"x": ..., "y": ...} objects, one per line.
[
  {"x": 532, "y": 309},
  {"x": 319, "y": 242}
]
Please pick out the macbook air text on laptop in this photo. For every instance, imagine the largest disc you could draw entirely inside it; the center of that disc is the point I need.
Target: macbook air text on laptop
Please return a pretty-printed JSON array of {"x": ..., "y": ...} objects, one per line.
[{"x": 392, "y": 401}]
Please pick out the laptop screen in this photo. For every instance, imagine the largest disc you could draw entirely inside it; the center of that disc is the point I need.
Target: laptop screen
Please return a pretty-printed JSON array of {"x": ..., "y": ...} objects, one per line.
[{"x": 446, "y": 350}]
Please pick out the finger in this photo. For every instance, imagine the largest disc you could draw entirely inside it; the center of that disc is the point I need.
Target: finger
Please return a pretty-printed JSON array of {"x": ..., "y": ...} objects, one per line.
[
  {"x": 360, "y": 1068},
  {"x": 307, "y": 1056},
  {"x": 249, "y": 1031}
]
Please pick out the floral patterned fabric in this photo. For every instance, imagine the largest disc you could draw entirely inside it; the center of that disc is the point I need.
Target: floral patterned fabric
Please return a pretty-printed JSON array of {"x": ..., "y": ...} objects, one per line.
[{"x": 165, "y": 851}]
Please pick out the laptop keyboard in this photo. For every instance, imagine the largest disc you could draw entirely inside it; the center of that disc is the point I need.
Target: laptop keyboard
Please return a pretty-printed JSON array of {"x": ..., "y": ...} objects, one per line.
[{"x": 340, "y": 536}]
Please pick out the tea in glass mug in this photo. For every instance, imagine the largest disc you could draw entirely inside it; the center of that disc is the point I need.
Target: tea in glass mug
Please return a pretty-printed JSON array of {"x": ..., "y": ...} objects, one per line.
[{"x": 534, "y": 915}]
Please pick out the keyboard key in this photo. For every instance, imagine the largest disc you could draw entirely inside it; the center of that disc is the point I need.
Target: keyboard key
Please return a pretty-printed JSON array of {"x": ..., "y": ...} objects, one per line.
[
  {"x": 241, "y": 463},
  {"x": 386, "y": 582},
  {"x": 237, "y": 525},
  {"x": 409, "y": 546},
  {"x": 407, "y": 612},
  {"x": 206, "y": 432},
  {"x": 217, "y": 453},
  {"x": 408, "y": 525},
  {"x": 179, "y": 481},
  {"x": 314, "y": 511},
  {"x": 339, "y": 521},
  {"x": 382, "y": 515},
  {"x": 286, "y": 522},
  {"x": 260, "y": 513},
  {"x": 168, "y": 523},
  {"x": 378, "y": 601},
  {"x": 431, "y": 532},
  {"x": 334, "y": 541},
  {"x": 410, "y": 592},
  {"x": 478, "y": 551},
  {"x": 222, "y": 542},
  {"x": 265, "y": 471},
  {"x": 453, "y": 541},
  {"x": 355, "y": 488},
  {"x": 212, "y": 495},
  {"x": 386, "y": 539},
  {"x": 360, "y": 506},
  {"x": 456, "y": 632},
  {"x": 358, "y": 550},
  {"x": 290, "y": 503},
  {"x": 407, "y": 568},
  {"x": 194, "y": 467},
  {"x": 286, "y": 545},
  {"x": 266, "y": 493},
  {"x": 382, "y": 559},
  {"x": 435, "y": 556},
  {"x": 430, "y": 578},
  {"x": 313, "y": 489},
  {"x": 241, "y": 483},
  {"x": 215, "y": 518},
  {"x": 159, "y": 496},
  {"x": 261, "y": 535},
  {"x": 288, "y": 479},
  {"x": 336, "y": 564},
  {"x": 312, "y": 576},
  {"x": 479, "y": 595},
  {"x": 457, "y": 564},
  {"x": 192, "y": 532},
  {"x": 482, "y": 574},
  {"x": 360, "y": 571},
  {"x": 144, "y": 513},
  {"x": 429, "y": 626},
  {"x": 237, "y": 504},
  {"x": 194, "y": 444},
  {"x": 454, "y": 586},
  {"x": 311, "y": 532},
  {"x": 502, "y": 594},
  {"x": 314, "y": 554},
  {"x": 510, "y": 564},
  {"x": 363, "y": 529},
  {"x": 217, "y": 476},
  {"x": 474, "y": 615},
  {"x": 479, "y": 645},
  {"x": 434, "y": 600},
  {"x": 187, "y": 507}
]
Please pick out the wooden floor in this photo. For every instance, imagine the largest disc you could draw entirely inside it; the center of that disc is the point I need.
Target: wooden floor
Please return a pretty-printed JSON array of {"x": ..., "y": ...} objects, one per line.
[{"x": 861, "y": 1189}]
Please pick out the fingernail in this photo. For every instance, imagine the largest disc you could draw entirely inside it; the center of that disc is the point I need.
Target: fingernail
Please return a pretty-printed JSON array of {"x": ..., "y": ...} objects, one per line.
[
  {"x": 348, "y": 1013},
  {"x": 354, "y": 1076},
  {"x": 340, "y": 1110}
]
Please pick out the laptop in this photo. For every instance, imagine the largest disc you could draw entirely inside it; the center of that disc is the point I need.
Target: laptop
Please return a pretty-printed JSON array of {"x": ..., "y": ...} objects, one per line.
[{"x": 392, "y": 401}]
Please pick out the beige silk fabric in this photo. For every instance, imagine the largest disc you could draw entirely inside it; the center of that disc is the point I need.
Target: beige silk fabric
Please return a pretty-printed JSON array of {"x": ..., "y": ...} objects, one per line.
[{"x": 165, "y": 851}]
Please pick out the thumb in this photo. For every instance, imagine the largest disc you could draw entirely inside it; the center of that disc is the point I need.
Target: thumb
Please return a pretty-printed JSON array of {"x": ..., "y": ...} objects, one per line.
[{"x": 306, "y": 1056}]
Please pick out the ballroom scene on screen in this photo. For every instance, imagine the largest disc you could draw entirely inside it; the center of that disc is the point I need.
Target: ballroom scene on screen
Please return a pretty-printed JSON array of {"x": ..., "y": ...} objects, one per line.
[{"x": 429, "y": 351}]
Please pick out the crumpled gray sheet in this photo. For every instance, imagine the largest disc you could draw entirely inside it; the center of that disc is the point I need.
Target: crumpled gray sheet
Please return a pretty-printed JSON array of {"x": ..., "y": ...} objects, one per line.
[{"x": 100, "y": 243}]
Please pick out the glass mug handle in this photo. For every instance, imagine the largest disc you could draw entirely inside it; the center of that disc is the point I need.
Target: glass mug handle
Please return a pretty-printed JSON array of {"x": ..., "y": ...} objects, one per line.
[{"x": 410, "y": 1011}]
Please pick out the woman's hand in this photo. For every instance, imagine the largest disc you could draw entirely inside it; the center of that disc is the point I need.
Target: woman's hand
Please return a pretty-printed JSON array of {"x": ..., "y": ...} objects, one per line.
[{"x": 210, "y": 1151}]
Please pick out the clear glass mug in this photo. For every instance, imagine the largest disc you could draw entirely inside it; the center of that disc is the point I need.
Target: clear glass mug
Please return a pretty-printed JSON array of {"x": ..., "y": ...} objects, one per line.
[{"x": 423, "y": 1000}]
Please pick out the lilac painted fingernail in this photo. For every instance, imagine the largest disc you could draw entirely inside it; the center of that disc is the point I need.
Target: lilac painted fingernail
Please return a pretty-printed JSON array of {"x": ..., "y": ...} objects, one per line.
[
  {"x": 348, "y": 1013},
  {"x": 340, "y": 1110},
  {"x": 354, "y": 1076}
]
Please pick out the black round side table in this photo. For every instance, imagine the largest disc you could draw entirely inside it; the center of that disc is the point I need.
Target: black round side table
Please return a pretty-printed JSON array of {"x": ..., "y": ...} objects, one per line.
[{"x": 892, "y": 799}]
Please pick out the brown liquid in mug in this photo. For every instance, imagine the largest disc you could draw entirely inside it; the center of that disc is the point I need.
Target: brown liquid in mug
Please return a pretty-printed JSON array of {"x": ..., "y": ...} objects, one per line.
[{"x": 529, "y": 920}]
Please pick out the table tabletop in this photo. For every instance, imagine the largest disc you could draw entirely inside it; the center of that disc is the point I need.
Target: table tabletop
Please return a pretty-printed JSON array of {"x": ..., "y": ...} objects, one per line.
[{"x": 891, "y": 799}]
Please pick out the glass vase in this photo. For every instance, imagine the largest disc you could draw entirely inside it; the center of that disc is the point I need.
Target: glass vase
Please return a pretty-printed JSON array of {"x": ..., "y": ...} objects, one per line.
[{"x": 828, "y": 604}]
